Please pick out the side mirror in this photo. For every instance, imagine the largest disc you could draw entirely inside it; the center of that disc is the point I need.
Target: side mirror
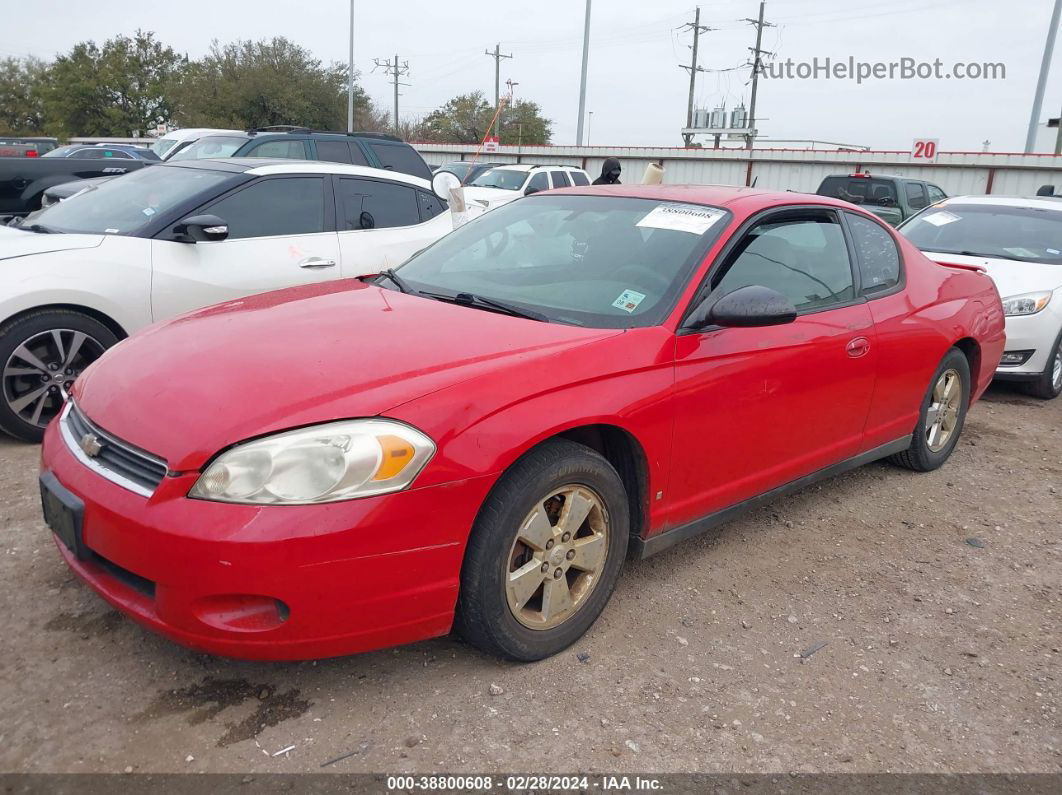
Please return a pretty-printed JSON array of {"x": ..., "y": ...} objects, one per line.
[
  {"x": 442, "y": 182},
  {"x": 746, "y": 307},
  {"x": 202, "y": 229}
]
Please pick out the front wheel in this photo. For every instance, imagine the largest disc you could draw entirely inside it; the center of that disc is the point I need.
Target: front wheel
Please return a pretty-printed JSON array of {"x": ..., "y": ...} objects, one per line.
[
  {"x": 1048, "y": 385},
  {"x": 942, "y": 416},
  {"x": 544, "y": 554},
  {"x": 40, "y": 355}
]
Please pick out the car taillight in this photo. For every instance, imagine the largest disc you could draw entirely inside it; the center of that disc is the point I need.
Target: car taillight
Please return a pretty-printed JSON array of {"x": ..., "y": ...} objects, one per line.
[{"x": 31, "y": 153}]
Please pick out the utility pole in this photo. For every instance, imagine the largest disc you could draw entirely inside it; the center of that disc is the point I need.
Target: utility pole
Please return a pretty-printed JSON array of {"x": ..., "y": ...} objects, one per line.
[
  {"x": 497, "y": 56},
  {"x": 350, "y": 74},
  {"x": 1041, "y": 83},
  {"x": 1058, "y": 138},
  {"x": 757, "y": 66},
  {"x": 693, "y": 69},
  {"x": 396, "y": 70},
  {"x": 582, "y": 79}
]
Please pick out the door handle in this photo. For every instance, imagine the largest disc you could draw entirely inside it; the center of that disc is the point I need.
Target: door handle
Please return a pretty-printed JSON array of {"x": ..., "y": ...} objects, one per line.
[
  {"x": 858, "y": 347},
  {"x": 317, "y": 262}
]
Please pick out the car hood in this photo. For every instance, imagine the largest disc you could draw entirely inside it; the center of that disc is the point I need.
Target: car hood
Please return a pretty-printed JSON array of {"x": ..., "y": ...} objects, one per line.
[
  {"x": 15, "y": 242},
  {"x": 491, "y": 195},
  {"x": 1011, "y": 276},
  {"x": 191, "y": 386}
]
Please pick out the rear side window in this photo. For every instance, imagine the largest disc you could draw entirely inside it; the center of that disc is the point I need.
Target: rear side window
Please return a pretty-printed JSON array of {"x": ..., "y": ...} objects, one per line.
[
  {"x": 916, "y": 196},
  {"x": 430, "y": 206},
  {"x": 372, "y": 204},
  {"x": 269, "y": 207},
  {"x": 401, "y": 157},
  {"x": 579, "y": 178},
  {"x": 560, "y": 179},
  {"x": 333, "y": 151},
  {"x": 292, "y": 150},
  {"x": 876, "y": 253}
]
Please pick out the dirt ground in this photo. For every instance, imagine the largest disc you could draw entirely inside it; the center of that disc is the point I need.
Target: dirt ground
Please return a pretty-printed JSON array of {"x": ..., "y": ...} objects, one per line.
[{"x": 937, "y": 598}]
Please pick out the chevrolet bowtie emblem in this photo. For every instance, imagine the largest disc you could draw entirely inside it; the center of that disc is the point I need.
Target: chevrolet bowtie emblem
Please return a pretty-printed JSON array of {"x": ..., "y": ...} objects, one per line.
[{"x": 90, "y": 445}]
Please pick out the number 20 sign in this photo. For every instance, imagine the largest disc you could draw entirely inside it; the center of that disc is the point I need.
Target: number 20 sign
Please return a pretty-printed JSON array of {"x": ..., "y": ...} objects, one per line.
[{"x": 925, "y": 149}]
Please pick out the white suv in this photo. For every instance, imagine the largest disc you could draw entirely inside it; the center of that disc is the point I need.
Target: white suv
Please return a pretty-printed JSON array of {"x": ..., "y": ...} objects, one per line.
[{"x": 502, "y": 184}]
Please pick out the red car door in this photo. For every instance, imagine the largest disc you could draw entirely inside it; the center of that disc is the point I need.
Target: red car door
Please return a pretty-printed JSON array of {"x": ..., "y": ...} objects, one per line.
[{"x": 756, "y": 408}]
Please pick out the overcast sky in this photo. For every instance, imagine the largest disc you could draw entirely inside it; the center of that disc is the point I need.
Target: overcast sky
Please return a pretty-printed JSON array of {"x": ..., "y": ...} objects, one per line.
[{"x": 636, "y": 90}]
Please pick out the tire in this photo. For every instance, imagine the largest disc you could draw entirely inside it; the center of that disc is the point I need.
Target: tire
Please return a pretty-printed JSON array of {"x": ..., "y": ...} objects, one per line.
[
  {"x": 1049, "y": 385},
  {"x": 557, "y": 474},
  {"x": 924, "y": 455},
  {"x": 60, "y": 341}
]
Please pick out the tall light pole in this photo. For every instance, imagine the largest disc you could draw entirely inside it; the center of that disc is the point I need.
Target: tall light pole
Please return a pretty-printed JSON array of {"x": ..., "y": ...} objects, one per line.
[
  {"x": 582, "y": 80},
  {"x": 350, "y": 74},
  {"x": 589, "y": 125},
  {"x": 1041, "y": 84}
]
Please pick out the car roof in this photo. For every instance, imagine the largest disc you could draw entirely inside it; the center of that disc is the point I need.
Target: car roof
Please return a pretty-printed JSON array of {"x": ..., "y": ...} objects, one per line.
[
  {"x": 1037, "y": 202},
  {"x": 715, "y": 195},
  {"x": 266, "y": 167}
]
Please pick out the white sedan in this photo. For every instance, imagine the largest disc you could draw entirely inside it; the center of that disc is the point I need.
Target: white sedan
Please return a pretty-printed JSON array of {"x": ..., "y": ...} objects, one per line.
[
  {"x": 81, "y": 275},
  {"x": 1019, "y": 242}
]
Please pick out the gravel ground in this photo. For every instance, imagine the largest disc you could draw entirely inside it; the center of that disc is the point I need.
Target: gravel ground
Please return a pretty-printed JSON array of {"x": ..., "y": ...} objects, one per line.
[{"x": 880, "y": 621}]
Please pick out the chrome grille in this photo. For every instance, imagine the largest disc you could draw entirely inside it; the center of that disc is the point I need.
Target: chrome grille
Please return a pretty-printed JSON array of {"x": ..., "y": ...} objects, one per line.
[{"x": 114, "y": 459}]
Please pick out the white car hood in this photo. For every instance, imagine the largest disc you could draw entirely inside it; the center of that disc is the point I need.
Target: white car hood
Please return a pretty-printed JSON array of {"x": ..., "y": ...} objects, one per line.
[
  {"x": 493, "y": 196},
  {"x": 1011, "y": 277},
  {"x": 15, "y": 242}
]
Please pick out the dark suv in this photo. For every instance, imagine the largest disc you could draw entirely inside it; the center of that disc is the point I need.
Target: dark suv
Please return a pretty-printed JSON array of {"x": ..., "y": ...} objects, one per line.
[{"x": 376, "y": 150}]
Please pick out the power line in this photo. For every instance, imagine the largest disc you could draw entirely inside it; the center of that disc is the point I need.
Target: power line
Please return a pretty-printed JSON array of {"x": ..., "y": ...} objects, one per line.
[
  {"x": 497, "y": 56},
  {"x": 697, "y": 29},
  {"x": 396, "y": 70}
]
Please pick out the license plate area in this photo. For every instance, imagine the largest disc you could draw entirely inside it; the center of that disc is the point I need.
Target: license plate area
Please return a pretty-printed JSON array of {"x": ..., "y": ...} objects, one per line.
[{"x": 64, "y": 513}]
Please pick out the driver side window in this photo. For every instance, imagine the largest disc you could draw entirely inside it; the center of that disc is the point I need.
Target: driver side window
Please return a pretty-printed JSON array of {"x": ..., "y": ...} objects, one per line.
[
  {"x": 538, "y": 182},
  {"x": 803, "y": 256}
]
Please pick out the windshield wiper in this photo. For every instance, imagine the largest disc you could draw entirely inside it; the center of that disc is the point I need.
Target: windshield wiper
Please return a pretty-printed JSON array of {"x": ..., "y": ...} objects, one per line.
[
  {"x": 40, "y": 229},
  {"x": 397, "y": 280},
  {"x": 490, "y": 304}
]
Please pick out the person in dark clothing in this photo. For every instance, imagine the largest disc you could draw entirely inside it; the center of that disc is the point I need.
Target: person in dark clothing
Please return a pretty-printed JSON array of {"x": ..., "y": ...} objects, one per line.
[{"x": 610, "y": 172}]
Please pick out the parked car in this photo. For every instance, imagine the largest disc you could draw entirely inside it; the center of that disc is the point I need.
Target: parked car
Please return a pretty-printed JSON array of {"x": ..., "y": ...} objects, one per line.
[
  {"x": 1019, "y": 243},
  {"x": 101, "y": 151},
  {"x": 173, "y": 142},
  {"x": 476, "y": 438},
  {"x": 465, "y": 170},
  {"x": 502, "y": 184},
  {"x": 165, "y": 240},
  {"x": 23, "y": 180},
  {"x": 893, "y": 199},
  {"x": 22, "y": 146},
  {"x": 377, "y": 150}
]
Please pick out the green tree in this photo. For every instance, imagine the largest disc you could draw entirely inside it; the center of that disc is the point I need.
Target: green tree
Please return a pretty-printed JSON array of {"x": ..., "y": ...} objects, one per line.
[
  {"x": 123, "y": 86},
  {"x": 21, "y": 104},
  {"x": 261, "y": 83},
  {"x": 465, "y": 119}
]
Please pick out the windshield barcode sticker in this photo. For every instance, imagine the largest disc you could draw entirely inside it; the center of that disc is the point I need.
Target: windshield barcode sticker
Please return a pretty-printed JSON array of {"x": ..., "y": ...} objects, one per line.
[
  {"x": 941, "y": 218},
  {"x": 691, "y": 218},
  {"x": 628, "y": 300}
]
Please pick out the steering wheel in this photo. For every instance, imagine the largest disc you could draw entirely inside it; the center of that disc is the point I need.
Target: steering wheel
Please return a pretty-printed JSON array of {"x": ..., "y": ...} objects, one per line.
[{"x": 639, "y": 275}]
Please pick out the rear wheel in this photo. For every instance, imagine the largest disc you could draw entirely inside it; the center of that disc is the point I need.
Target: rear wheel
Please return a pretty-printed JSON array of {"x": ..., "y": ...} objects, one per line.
[
  {"x": 1049, "y": 384},
  {"x": 942, "y": 416},
  {"x": 544, "y": 554},
  {"x": 40, "y": 355}
]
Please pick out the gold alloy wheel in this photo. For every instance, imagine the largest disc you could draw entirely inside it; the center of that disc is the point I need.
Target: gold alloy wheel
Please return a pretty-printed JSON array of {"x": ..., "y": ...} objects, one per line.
[
  {"x": 943, "y": 413},
  {"x": 557, "y": 557}
]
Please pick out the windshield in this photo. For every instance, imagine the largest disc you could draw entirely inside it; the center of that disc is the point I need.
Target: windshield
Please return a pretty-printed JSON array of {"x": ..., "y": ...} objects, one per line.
[
  {"x": 124, "y": 205},
  {"x": 162, "y": 146},
  {"x": 598, "y": 261},
  {"x": 504, "y": 178},
  {"x": 210, "y": 146},
  {"x": 1025, "y": 234}
]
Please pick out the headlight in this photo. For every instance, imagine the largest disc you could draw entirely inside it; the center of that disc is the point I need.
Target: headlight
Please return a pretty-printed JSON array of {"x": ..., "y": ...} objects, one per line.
[
  {"x": 1028, "y": 304},
  {"x": 322, "y": 463}
]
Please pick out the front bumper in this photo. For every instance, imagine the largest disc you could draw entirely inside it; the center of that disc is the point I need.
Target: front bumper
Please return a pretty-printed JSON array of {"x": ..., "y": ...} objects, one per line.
[
  {"x": 271, "y": 582},
  {"x": 1037, "y": 333}
]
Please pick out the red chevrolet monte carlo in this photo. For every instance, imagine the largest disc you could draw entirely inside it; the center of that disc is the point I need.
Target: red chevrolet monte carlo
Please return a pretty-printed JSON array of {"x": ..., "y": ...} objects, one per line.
[{"x": 478, "y": 439}]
